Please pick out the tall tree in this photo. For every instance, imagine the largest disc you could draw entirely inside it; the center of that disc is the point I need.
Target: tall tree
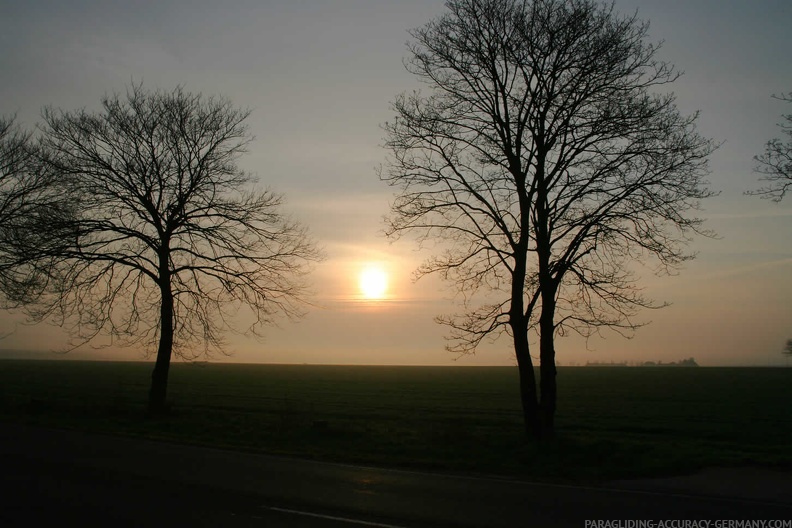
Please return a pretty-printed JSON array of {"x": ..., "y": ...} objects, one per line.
[
  {"x": 775, "y": 163},
  {"x": 546, "y": 157},
  {"x": 161, "y": 237}
]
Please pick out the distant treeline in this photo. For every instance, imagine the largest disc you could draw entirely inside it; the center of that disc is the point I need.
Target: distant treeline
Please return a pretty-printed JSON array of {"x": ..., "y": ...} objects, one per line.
[{"x": 689, "y": 362}]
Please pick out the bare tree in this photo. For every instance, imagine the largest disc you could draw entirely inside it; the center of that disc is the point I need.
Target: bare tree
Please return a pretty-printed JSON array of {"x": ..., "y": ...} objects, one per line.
[
  {"x": 545, "y": 163},
  {"x": 160, "y": 236},
  {"x": 775, "y": 164},
  {"x": 788, "y": 348}
]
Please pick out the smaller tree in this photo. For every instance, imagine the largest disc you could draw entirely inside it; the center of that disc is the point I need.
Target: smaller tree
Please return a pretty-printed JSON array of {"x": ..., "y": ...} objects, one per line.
[
  {"x": 159, "y": 236},
  {"x": 788, "y": 348},
  {"x": 775, "y": 164}
]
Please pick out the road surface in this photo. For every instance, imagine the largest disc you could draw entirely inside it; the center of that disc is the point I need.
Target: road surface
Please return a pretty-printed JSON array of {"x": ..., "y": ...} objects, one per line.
[{"x": 97, "y": 480}]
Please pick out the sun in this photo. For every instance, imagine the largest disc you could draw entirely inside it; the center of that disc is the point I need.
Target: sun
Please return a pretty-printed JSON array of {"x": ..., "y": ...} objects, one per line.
[{"x": 373, "y": 283}]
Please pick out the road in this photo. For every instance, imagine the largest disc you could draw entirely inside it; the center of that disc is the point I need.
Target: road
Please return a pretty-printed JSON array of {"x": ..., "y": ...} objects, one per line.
[{"x": 97, "y": 480}]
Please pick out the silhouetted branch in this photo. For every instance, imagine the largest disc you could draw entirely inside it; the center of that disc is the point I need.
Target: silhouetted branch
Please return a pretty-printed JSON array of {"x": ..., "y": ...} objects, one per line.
[
  {"x": 775, "y": 163},
  {"x": 26, "y": 198}
]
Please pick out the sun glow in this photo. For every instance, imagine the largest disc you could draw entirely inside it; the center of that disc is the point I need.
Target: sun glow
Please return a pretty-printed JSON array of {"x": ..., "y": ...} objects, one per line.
[{"x": 373, "y": 283}]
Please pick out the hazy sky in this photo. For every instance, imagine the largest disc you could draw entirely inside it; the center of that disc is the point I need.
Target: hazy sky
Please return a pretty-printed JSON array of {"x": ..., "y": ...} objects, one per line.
[{"x": 319, "y": 76}]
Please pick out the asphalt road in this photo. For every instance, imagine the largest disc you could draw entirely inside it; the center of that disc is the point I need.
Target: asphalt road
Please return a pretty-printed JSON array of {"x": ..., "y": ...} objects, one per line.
[{"x": 67, "y": 477}]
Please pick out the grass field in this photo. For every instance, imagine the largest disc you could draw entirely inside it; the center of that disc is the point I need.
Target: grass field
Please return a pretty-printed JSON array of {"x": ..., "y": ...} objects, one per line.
[{"x": 612, "y": 421}]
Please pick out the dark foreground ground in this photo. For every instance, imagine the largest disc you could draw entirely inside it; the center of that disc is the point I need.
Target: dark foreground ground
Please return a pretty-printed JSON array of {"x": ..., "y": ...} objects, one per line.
[
  {"x": 612, "y": 423},
  {"x": 54, "y": 476}
]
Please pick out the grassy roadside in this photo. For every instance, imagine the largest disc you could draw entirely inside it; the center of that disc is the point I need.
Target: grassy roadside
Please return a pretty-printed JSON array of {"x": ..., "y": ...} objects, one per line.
[{"x": 612, "y": 422}]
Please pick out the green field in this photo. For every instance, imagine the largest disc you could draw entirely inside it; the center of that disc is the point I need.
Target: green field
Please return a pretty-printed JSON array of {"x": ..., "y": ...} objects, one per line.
[{"x": 612, "y": 421}]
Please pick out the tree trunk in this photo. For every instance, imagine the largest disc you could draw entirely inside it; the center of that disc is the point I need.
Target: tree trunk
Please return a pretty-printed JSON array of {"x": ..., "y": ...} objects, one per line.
[
  {"x": 159, "y": 376},
  {"x": 547, "y": 289},
  {"x": 547, "y": 368},
  {"x": 519, "y": 327},
  {"x": 530, "y": 404}
]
